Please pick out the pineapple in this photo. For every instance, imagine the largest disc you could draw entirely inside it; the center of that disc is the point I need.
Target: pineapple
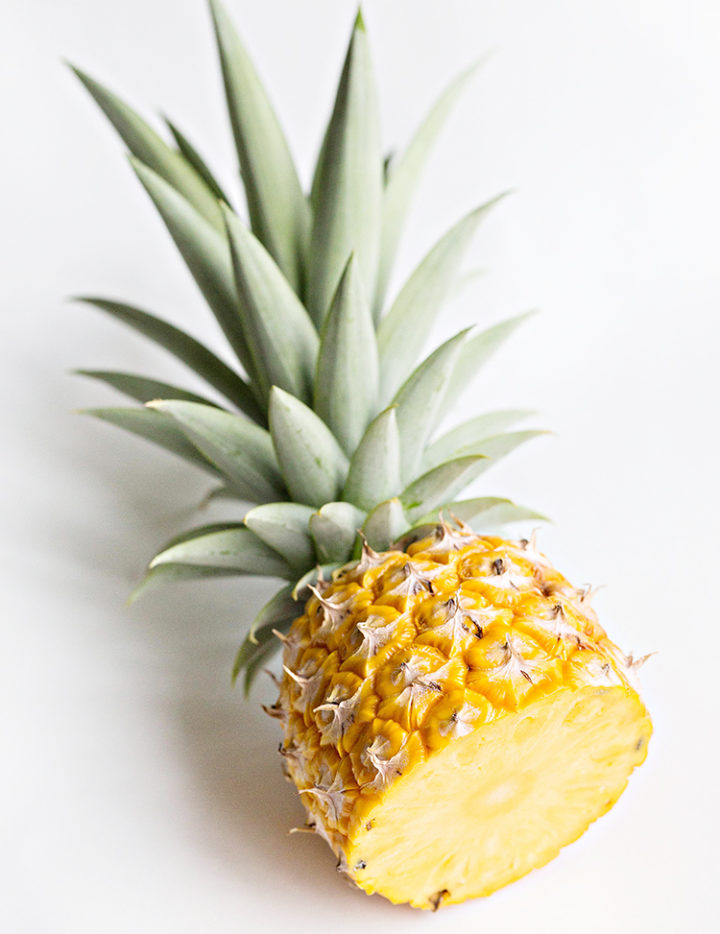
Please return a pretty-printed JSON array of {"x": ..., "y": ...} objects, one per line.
[{"x": 452, "y": 711}]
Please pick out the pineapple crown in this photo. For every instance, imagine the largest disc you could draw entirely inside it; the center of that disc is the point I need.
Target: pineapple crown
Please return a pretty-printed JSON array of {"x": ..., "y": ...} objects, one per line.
[{"x": 329, "y": 424}]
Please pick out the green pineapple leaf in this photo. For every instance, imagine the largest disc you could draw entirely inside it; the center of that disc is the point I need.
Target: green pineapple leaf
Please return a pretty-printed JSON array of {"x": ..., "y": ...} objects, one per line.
[
  {"x": 206, "y": 254},
  {"x": 320, "y": 571},
  {"x": 221, "y": 492},
  {"x": 260, "y": 659},
  {"x": 228, "y": 549},
  {"x": 282, "y": 339},
  {"x": 467, "y": 280},
  {"x": 176, "y": 573},
  {"x": 346, "y": 380},
  {"x": 301, "y": 318},
  {"x": 374, "y": 474},
  {"x": 145, "y": 144},
  {"x": 348, "y": 183},
  {"x": 207, "y": 529},
  {"x": 241, "y": 451},
  {"x": 143, "y": 388},
  {"x": 477, "y": 351},
  {"x": 489, "y": 450},
  {"x": 312, "y": 462},
  {"x": 472, "y": 434},
  {"x": 188, "y": 350},
  {"x": 420, "y": 401},
  {"x": 385, "y": 524},
  {"x": 196, "y": 161},
  {"x": 155, "y": 427},
  {"x": 253, "y": 653},
  {"x": 286, "y": 528},
  {"x": 491, "y": 511},
  {"x": 403, "y": 174},
  {"x": 319, "y": 162},
  {"x": 404, "y": 329},
  {"x": 251, "y": 648},
  {"x": 314, "y": 196},
  {"x": 279, "y": 213},
  {"x": 499, "y": 446},
  {"x": 439, "y": 485},
  {"x": 388, "y": 161},
  {"x": 334, "y": 529},
  {"x": 280, "y": 607}
]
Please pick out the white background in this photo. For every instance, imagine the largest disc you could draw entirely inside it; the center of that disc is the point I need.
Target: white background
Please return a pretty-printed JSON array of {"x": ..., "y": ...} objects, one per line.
[{"x": 139, "y": 792}]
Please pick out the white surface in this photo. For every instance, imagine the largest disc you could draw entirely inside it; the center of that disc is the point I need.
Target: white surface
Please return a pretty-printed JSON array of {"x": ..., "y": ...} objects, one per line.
[{"x": 139, "y": 792}]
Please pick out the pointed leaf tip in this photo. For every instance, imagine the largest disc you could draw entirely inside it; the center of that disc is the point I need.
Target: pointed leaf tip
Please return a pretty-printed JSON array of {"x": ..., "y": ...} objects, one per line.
[
  {"x": 374, "y": 474},
  {"x": 310, "y": 457},
  {"x": 404, "y": 174},
  {"x": 348, "y": 184},
  {"x": 279, "y": 212},
  {"x": 360, "y": 21},
  {"x": 155, "y": 427},
  {"x": 403, "y": 331},
  {"x": 188, "y": 350},
  {"x": 143, "y": 388},
  {"x": 151, "y": 149},
  {"x": 195, "y": 160},
  {"x": 226, "y": 549}
]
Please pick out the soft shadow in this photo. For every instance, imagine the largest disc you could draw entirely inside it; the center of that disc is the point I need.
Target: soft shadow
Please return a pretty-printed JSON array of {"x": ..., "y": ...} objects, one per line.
[
  {"x": 240, "y": 801},
  {"x": 244, "y": 801}
]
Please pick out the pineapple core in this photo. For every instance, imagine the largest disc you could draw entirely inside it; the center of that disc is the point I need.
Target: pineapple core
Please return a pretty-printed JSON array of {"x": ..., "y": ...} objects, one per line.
[
  {"x": 454, "y": 715},
  {"x": 504, "y": 799}
]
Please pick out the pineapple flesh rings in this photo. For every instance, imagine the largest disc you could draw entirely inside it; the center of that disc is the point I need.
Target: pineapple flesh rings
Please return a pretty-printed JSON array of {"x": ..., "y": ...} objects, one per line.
[{"x": 453, "y": 714}]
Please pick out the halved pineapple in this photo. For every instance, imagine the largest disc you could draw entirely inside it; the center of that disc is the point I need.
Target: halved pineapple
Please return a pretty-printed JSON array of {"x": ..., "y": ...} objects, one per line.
[{"x": 453, "y": 713}]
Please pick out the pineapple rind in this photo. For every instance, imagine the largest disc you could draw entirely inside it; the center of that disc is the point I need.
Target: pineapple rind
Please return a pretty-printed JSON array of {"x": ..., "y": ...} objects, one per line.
[{"x": 405, "y": 652}]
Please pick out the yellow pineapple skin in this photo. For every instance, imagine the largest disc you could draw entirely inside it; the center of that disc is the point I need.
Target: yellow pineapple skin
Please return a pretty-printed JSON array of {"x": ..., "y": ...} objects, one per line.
[{"x": 453, "y": 715}]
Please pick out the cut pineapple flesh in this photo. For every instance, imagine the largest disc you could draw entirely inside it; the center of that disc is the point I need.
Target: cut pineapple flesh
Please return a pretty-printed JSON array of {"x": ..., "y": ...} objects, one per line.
[
  {"x": 453, "y": 715},
  {"x": 502, "y": 800}
]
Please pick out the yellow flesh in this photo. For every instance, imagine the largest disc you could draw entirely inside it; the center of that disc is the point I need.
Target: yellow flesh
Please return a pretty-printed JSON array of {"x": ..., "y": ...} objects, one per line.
[
  {"x": 453, "y": 715},
  {"x": 503, "y": 800}
]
